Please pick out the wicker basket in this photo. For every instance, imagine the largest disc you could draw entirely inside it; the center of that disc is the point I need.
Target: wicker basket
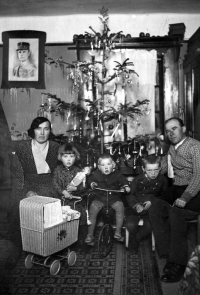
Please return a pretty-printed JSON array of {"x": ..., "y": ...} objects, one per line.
[{"x": 39, "y": 240}]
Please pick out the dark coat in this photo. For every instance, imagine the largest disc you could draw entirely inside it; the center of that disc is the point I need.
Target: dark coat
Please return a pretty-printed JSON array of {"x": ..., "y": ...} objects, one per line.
[
  {"x": 114, "y": 181},
  {"x": 25, "y": 175},
  {"x": 142, "y": 188},
  {"x": 25, "y": 178}
]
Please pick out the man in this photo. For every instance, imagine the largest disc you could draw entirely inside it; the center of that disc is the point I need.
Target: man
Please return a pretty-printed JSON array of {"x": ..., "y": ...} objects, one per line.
[
  {"x": 26, "y": 69},
  {"x": 181, "y": 202}
]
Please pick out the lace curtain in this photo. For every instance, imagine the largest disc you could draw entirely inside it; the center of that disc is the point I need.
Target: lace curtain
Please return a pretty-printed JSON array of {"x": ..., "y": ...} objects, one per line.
[{"x": 133, "y": 88}]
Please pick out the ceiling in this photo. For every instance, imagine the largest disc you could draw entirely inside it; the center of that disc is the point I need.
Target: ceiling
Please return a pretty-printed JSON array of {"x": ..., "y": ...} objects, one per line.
[{"x": 65, "y": 7}]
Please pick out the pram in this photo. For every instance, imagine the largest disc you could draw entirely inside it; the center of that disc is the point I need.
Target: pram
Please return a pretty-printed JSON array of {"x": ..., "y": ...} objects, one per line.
[{"x": 42, "y": 242}]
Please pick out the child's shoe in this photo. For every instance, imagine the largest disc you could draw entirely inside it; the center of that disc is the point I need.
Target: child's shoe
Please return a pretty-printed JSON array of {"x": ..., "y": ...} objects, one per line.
[
  {"x": 89, "y": 239},
  {"x": 117, "y": 234}
]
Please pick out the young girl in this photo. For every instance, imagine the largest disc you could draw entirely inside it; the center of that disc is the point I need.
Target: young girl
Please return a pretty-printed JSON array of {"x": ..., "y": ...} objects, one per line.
[{"x": 66, "y": 178}]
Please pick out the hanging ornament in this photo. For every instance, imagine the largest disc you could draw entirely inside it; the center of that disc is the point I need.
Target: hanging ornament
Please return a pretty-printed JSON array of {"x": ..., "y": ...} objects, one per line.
[
  {"x": 92, "y": 135},
  {"x": 115, "y": 130}
]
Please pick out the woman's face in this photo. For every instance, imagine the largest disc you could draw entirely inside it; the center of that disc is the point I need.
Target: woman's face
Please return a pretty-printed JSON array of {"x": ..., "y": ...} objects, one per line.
[{"x": 42, "y": 132}]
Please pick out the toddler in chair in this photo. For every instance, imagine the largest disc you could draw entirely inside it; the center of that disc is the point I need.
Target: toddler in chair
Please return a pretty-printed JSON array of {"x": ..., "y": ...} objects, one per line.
[
  {"x": 106, "y": 177},
  {"x": 144, "y": 187}
]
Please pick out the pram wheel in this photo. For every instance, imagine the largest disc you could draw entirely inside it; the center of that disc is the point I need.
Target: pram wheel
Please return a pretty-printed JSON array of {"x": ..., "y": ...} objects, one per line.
[
  {"x": 71, "y": 258},
  {"x": 105, "y": 241},
  {"x": 46, "y": 260},
  {"x": 55, "y": 267},
  {"x": 29, "y": 261}
]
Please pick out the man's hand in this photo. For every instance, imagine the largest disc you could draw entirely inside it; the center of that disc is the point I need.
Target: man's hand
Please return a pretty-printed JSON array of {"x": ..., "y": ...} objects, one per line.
[
  {"x": 147, "y": 205},
  {"x": 180, "y": 203}
]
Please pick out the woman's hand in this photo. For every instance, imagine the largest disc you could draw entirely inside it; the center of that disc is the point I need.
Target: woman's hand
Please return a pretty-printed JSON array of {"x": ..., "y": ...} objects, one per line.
[
  {"x": 71, "y": 188},
  {"x": 147, "y": 205},
  {"x": 31, "y": 194}
]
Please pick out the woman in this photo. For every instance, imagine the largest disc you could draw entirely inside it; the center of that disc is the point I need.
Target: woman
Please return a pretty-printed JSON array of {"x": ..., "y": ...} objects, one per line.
[{"x": 33, "y": 166}]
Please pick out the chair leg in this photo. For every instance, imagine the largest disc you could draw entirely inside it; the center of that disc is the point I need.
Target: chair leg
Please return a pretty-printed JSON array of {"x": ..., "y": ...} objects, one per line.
[
  {"x": 198, "y": 229},
  {"x": 127, "y": 238},
  {"x": 153, "y": 242}
]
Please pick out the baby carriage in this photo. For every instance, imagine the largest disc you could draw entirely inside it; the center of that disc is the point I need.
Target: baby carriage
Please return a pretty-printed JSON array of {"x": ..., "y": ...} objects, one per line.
[{"x": 43, "y": 236}]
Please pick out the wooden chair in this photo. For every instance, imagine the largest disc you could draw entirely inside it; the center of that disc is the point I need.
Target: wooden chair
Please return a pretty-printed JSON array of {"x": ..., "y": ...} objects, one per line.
[
  {"x": 127, "y": 239},
  {"x": 197, "y": 220}
]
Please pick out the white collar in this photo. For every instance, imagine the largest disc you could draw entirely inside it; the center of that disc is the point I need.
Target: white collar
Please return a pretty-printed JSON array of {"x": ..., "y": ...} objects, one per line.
[{"x": 178, "y": 144}]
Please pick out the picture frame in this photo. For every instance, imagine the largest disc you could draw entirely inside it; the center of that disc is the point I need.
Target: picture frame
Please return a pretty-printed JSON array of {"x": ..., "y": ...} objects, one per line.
[{"x": 23, "y": 59}]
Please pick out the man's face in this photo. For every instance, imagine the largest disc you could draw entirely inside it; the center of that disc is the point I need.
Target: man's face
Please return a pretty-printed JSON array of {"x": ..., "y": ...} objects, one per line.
[
  {"x": 106, "y": 166},
  {"x": 174, "y": 131},
  {"x": 23, "y": 55},
  {"x": 42, "y": 132}
]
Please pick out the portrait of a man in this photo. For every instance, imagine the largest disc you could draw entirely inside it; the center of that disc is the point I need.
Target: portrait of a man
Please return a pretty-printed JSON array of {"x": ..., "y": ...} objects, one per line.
[{"x": 23, "y": 60}]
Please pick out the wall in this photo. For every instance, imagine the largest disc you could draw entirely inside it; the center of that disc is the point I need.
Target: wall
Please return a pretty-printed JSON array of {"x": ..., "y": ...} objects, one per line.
[
  {"x": 21, "y": 105},
  {"x": 62, "y": 28}
]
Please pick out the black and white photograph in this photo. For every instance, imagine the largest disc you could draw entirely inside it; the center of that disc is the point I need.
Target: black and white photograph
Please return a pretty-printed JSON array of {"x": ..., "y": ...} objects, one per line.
[{"x": 100, "y": 147}]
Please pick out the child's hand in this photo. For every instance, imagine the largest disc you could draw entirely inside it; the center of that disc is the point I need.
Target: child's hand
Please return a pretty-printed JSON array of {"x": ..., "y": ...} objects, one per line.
[
  {"x": 127, "y": 189},
  {"x": 139, "y": 208},
  {"x": 93, "y": 185},
  {"x": 67, "y": 195},
  {"x": 71, "y": 188},
  {"x": 147, "y": 205}
]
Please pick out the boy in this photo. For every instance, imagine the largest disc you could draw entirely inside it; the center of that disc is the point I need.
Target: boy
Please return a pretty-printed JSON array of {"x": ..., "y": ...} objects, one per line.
[
  {"x": 143, "y": 187},
  {"x": 106, "y": 177}
]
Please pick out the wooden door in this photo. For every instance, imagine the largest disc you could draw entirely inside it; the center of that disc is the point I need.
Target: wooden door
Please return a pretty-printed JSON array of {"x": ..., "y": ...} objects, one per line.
[{"x": 196, "y": 101}]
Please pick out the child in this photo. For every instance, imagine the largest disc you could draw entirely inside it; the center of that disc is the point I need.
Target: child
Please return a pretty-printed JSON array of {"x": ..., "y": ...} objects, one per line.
[
  {"x": 68, "y": 179},
  {"x": 143, "y": 187},
  {"x": 106, "y": 177}
]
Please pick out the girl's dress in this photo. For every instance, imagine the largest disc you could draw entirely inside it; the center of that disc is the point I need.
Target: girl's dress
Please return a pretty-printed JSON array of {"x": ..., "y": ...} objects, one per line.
[{"x": 61, "y": 179}]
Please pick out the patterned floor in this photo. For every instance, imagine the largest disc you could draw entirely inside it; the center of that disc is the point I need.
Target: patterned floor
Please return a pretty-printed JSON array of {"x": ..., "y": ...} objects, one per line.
[
  {"x": 120, "y": 273},
  {"x": 140, "y": 272}
]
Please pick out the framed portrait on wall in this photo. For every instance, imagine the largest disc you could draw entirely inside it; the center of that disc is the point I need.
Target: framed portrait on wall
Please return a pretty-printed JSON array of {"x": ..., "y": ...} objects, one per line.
[{"x": 23, "y": 59}]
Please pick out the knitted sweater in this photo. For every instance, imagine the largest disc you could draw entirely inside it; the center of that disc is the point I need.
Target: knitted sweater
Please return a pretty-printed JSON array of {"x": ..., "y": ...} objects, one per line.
[{"x": 186, "y": 165}]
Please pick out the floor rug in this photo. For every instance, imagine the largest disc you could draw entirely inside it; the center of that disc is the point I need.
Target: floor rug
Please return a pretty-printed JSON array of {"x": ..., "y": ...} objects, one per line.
[
  {"x": 140, "y": 272},
  {"x": 120, "y": 273}
]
